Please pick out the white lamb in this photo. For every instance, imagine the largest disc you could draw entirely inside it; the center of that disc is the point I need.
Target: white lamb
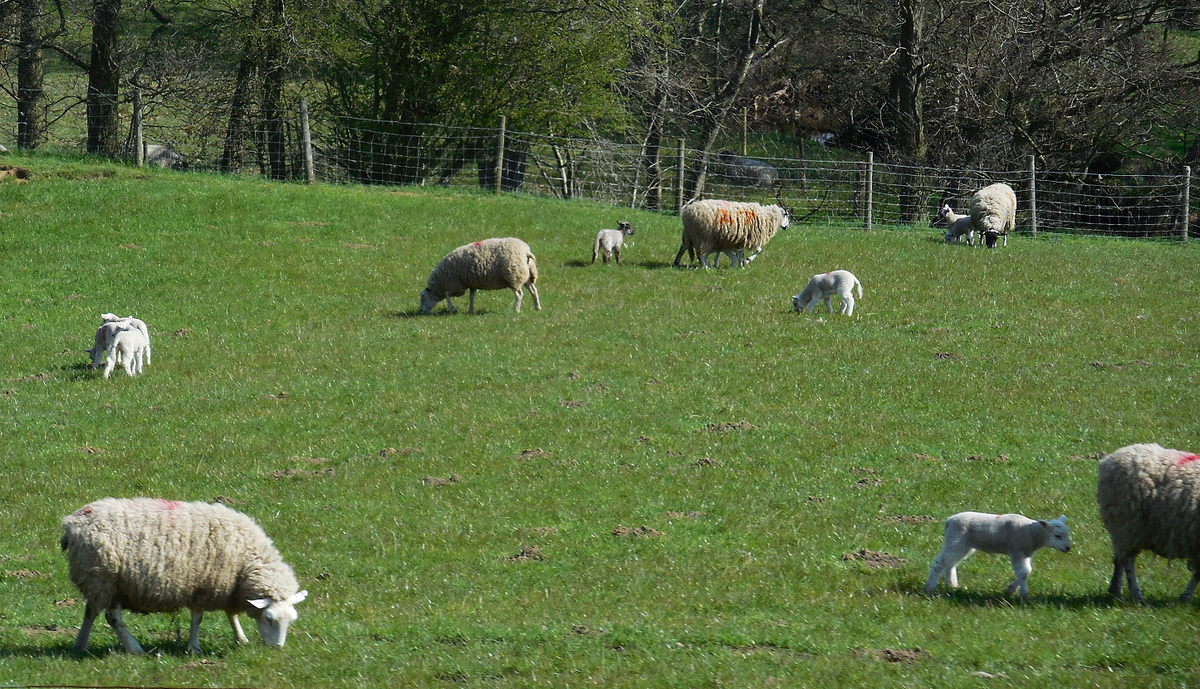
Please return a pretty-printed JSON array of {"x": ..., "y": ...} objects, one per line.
[
  {"x": 127, "y": 348},
  {"x": 957, "y": 226},
  {"x": 104, "y": 336},
  {"x": 1010, "y": 534},
  {"x": 823, "y": 286},
  {"x": 729, "y": 227},
  {"x": 610, "y": 242},
  {"x": 148, "y": 555},
  {"x": 131, "y": 321}
]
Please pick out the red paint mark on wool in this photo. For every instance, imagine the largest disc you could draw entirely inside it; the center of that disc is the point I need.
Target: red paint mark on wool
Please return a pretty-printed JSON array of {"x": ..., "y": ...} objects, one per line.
[
  {"x": 1184, "y": 458},
  {"x": 86, "y": 509},
  {"x": 168, "y": 504},
  {"x": 723, "y": 217},
  {"x": 475, "y": 244}
]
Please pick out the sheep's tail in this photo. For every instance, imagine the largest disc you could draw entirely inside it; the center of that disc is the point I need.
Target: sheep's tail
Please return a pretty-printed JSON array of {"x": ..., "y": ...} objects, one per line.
[
  {"x": 859, "y": 286},
  {"x": 531, "y": 262},
  {"x": 595, "y": 248}
]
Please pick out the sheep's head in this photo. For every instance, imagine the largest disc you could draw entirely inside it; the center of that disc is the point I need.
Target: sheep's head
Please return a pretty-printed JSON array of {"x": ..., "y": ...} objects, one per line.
[
  {"x": 428, "y": 300},
  {"x": 274, "y": 617},
  {"x": 785, "y": 220},
  {"x": 797, "y": 304},
  {"x": 1058, "y": 535},
  {"x": 940, "y": 219},
  {"x": 624, "y": 227}
]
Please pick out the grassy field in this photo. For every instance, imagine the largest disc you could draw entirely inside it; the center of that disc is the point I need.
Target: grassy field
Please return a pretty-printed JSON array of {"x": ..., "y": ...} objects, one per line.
[{"x": 292, "y": 377}]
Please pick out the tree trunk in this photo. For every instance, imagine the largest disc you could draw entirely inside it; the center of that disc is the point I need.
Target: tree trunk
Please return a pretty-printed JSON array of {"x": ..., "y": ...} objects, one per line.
[
  {"x": 31, "y": 111},
  {"x": 104, "y": 78},
  {"x": 907, "y": 99},
  {"x": 235, "y": 133},
  {"x": 273, "y": 93},
  {"x": 723, "y": 101}
]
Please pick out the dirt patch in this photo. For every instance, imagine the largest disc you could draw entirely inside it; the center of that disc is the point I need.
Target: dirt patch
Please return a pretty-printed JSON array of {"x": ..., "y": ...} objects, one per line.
[
  {"x": 303, "y": 473},
  {"x": 652, "y": 381},
  {"x": 203, "y": 662},
  {"x": 1093, "y": 456},
  {"x": 228, "y": 502},
  {"x": 47, "y": 629},
  {"x": 436, "y": 481},
  {"x": 17, "y": 174},
  {"x": 863, "y": 470},
  {"x": 946, "y": 355},
  {"x": 72, "y": 297},
  {"x": 813, "y": 500},
  {"x": 353, "y": 245},
  {"x": 1120, "y": 367},
  {"x": 1000, "y": 459},
  {"x": 894, "y": 655},
  {"x": 182, "y": 332},
  {"x": 732, "y": 426},
  {"x": 89, "y": 450},
  {"x": 570, "y": 404},
  {"x": 535, "y": 453},
  {"x": 707, "y": 462},
  {"x": 873, "y": 559},
  {"x": 572, "y": 376},
  {"x": 404, "y": 451},
  {"x": 867, "y": 482},
  {"x": 636, "y": 532},
  {"x": 581, "y": 630},
  {"x": 920, "y": 456},
  {"x": 598, "y": 387},
  {"x": 130, "y": 246},
  {"x": 10, "y": 392},
  {"x": 684, "y": 515},
  {"x": 25, "y": 574},
  {"x": 544, "y": 530},
  {"x": 528, "y": 553},
  {"x": 66, "y": 603},
  {"x": 28, "y": 379},
  {"x": 643, "y": 439},
  {"x": 281, "y": 395},
  {"x": 907, "y": 519},
  {"x": 673, "y": 453}
]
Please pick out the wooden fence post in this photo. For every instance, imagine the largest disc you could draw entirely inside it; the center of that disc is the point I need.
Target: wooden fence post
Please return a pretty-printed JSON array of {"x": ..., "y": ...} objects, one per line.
[
  {"x": 306, "y": 142},
  {"x": 870, "y": 190},
  {"x": 680, "y": 176},
  {"x": 1032, "y": 196},
  {"x": 500, "y": 154},
  {"x": 139, "y": 144},
  {"x": 1187, "y": 202}
]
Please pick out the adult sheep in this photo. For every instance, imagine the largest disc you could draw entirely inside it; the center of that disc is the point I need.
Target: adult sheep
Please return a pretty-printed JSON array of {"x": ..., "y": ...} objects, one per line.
[
  {"x": 994, "y": 212},
  {"x": 747, "y": 170},
  {"x": 487, "y": 265},
  {"x": 730, "y": 227},
  {"x": 1149, "y": 499},
  {"x": 148, "y": 555}
]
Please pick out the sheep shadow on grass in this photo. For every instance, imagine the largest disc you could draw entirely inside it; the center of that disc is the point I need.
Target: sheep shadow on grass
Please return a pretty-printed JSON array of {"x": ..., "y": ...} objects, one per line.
[
  {"x": 655, "y": 265},
  {"x": 416, "y": 313},
  {"x": 997, "y": 599},
  {"x": 576, "y": 263}
]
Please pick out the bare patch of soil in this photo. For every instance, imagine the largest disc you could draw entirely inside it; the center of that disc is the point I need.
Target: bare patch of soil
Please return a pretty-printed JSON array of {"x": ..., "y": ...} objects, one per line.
[
  {"x": 281, "y": 395},
  {"x": 182, "y": 332},
  {"x": 813, "y": 500},
  {"x": 867, "y": 482},
  {"x": 570, "y": 404},
  {"x": 598, "y": 387},
  {"x": 636, "y": 531},
  {"x": 873, "y": 559},
  {"x": 707, "y": 462},
  {"x": 1091, "y": 456},
  {"x": 732, "y": 426},
  {"x": 130, "y": 246},
  {"x": 404, "y": 451},
  {"x": 17, "y": 174},
  {"x": 28, "y": 379},
  {"x": 9, "y": 393},
  {"x": 684, "y": 515},
  {"x": 66, "y": 603},
  {"x": 89, "y": 450},
  {"x": 572, "y": 376},
  {"x": 47, "y": 629},
  {"x": 436, "y": 481},
  {"x": 529, "y": 552},
  {"x": 652, "y": 381},
  {"x": 585, "y": 631},
  {"x": 203, "y": 662},
  {"x": 533, "y": 454},
  {"x": 303, "y": 473},
  {"x": 228, "y": 502},
  {"x": 946, "y": 355},
  {"x": 1120, "y": 367},
  {"x": 1000, "y": 459},
  {"x": 71, "y": 297},
  {"x": 921, "y": 456},
  {"x": 544, "y": 530},
  {"x": 907, "y": 518},
  {"x": 863, "y": 470},
  {"x": 643, "y": 439},
  {"x": 894, "y": 655},
  {"x": 26, "y": 574}
]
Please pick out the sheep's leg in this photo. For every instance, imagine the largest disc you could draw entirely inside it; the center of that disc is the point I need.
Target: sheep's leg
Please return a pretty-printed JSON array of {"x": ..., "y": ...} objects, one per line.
[
  {"x": 946, "y": 563},
  {"x": 110, "y": 364},
  {"x": 829, "y": 303},
  {"x": 450, "y": 305},
  {"x": 848, "y": 305},
  {"x": 237, "y": 628},
  {"x": 516, "y": 304},
  {"x": 1191, "y": 588},
  {"x": 1134, "y": 589},
  {"x": 617, "y": 254},
  {"x": 1022, "y": 566},
  {"x": 85, "y": 630},
  {"x": 682, "y": 248},
  {"x": 471, "y": 307},
  {"x": 595, "y": 253},
  {"x": 537, "y": 304},
  {"x": 113, "y": 615},
  {"x": 1118, "y": 577},
  {"x": 147, "y": 352},
  {"x": 193, "y": 646}
]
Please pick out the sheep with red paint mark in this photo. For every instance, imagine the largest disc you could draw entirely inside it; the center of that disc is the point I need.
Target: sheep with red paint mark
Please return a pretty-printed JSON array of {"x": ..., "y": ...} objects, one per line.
[
  {"x": 712, "y": 226},
  {"x": 1149, "y": 499},
  {"x": 147, "y": 555},
  {"x": 488, "y": 265}
]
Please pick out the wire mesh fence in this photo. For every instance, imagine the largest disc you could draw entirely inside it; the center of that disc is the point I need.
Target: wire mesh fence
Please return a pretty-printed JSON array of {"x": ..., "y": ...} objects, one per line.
[{"x": 824, "y": 184}]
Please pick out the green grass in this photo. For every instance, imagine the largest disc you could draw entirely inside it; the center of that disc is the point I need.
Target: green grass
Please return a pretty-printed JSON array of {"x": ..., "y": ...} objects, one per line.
[{"x": 1052, "y": 351}]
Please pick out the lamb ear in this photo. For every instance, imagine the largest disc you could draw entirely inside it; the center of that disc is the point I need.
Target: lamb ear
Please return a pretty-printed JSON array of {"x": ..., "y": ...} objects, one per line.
[
  {"x": 1063, "y": 519},
  {"x": 1043, "y": 523},
  {"x": 297, "y": 598},
  {"x": 260, "y": 603}
]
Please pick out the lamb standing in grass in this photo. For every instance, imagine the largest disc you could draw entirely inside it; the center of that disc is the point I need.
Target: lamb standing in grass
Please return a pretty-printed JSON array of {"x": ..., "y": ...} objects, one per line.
[
  {"x": 956, "y": 225},
  {"x": 1149, "y": 499},
  {"x": 823, "y": 286},
  {"x": 127, "y": 347},
  {"x": 487, "y": 265},
  {"x": 711, "y": 226},
  {"x": 149, "y": 555},
  {"x": 132, "y": 322},
  {"x": 1011, "y": 534},
  {"x": 610, "y": 242},
  {"x": 104, "y": 336}
]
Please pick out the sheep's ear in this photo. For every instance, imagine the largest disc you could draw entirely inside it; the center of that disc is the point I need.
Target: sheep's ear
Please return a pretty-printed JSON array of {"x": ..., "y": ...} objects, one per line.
[
  {"x": 1043, "y": 523},
  {"x": 299, "y": 597},
  {"x": 260, "y": 603},
  {"x": 1063, "y": 519}
]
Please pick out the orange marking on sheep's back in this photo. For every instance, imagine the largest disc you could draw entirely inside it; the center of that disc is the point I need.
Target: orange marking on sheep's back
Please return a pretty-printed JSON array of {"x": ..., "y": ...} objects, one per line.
[
  {"x": 86, "y": 509},
  {"x": 723, "y": 217},
  {"x": 1185, "y": 458},
  {"x": 475, "y": 244},
  {"x": 746, "y": 214}
]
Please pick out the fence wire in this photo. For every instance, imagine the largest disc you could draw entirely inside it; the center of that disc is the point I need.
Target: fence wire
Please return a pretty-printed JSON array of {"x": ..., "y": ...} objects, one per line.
[{"x": 824, "y": 184}]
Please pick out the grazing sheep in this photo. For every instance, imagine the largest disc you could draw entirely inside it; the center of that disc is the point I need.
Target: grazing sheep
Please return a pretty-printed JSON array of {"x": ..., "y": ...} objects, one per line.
[
  {"x": 164, "y": 156},
  {"x": 727, "y": 226},
  {"x": 994, "y": 212},
  {"x": 104, "y": 336},
  {"x": 956, "y": 225},
  {"x": 487, "y": 265},
  {"x": 127, "y": 348},
  {"x": 135, "y": 322},
  {"x": 823, "y": 286},
  {"x": 1149, "y": 499},
  {"x": 148, "y": 555},
  {"x": 747, "y": 170},
  {"x": 610, "y": 242},
  {"x": 1010, "y": 534}
]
